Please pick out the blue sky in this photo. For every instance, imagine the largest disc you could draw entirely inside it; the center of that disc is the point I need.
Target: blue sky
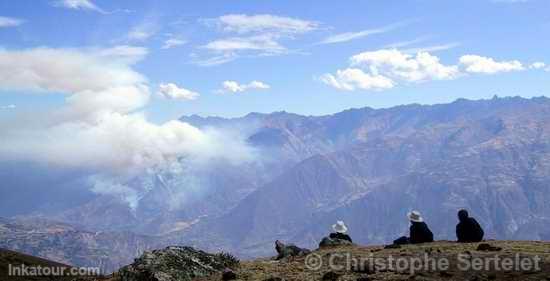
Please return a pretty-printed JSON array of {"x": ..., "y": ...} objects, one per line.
[{"x": 308, "y": 57}]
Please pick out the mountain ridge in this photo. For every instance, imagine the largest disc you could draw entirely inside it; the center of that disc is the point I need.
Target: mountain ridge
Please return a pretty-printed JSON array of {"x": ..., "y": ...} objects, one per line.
[{"x": 365, "y": 166}]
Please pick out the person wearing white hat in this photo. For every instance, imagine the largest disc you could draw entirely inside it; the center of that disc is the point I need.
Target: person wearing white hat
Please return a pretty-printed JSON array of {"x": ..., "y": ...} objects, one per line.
[
  {"x": 415, "y": 216},
  {"x": 340, "y": 227},
  {"x": 340, "y": 231},
  {"x": 419, "y": 230}
]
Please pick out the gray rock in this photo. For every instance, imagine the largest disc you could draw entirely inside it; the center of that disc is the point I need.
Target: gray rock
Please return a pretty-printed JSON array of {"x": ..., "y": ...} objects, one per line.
[
  {"x": 175, "y": 264},
  {"x": 286, "y": 251},
  {"x": 332, "y": 242},
  {"x": 488, "y": 248}
]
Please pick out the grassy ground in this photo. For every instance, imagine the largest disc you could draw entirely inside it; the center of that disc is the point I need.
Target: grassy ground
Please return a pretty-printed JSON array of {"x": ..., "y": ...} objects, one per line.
[
  {"x": 366, "y": 269},
  {"x": 360, "y": 263}
]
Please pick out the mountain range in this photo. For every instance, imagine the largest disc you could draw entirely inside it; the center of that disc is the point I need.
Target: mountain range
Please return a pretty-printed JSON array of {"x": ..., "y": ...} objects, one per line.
[{"x": 365, "y": 166}]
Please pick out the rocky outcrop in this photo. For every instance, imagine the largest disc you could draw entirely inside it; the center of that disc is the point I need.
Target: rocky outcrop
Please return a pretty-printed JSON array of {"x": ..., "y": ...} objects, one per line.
[
  {"x": 175, "y": 264},
  {"x": 286, "y": 251},
  {"x": 333, "y": 242}
]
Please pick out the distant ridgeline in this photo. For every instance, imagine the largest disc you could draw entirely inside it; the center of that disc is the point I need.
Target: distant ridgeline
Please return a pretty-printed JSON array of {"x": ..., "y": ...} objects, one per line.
[{"x": 367, "y": 167}]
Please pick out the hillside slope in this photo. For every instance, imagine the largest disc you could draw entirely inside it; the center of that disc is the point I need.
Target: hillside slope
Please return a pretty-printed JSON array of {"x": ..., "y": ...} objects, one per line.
[
  {"x": 372, "y": 263},
  {"x": 69, "y": 245},
  {"x": 15, "y": 259}
]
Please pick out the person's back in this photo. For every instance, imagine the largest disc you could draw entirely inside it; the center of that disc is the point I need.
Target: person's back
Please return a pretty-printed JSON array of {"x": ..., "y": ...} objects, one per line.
[
  {"x": 468, "y": 229},
  {"x": 420, "y": 233},
  {"x": 341, "y": 236}
]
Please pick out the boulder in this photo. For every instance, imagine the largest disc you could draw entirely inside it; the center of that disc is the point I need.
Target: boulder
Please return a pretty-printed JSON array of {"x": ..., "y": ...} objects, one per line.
[
  {"x": 488, "y": 248},
  {"x": 332, "y": 242},
  {"x": 290, "y": 250}
]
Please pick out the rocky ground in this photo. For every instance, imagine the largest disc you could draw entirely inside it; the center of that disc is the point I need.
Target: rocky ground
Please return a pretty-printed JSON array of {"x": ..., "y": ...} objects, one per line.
[
  {"x": 489, "y": 260},
  {"x": 296, "y": 269}
]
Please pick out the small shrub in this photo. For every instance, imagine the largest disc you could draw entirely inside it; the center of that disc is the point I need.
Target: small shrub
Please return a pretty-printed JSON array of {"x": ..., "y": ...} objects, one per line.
[{"x": 229, "y": 260}]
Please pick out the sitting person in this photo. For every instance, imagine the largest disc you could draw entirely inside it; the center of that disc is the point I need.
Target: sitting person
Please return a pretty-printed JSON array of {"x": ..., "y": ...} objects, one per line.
[
  {"x": 468, "y": 229},
  {"x": 340, "y": 229},
  {"x": 338, "y": 236},
  {"x": 290, "y": 250},
  {"x": 419, "y": 232}
]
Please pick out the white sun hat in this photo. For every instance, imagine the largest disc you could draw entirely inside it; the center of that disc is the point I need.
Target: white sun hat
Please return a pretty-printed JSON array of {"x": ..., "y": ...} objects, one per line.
[
  {"x": 415, "y": 216},
  {"x": 340, "y": 227}
]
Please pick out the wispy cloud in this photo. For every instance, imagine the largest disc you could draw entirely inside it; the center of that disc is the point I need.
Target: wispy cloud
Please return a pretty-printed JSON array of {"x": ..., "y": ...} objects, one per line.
[
  {"x": 241, "y": 23},
  {"x": 432, "y": 48},
  {"x": 265, "y": 43},
  {"x": 9, "y": 106},
  {"x": 251, "y": 36},
  {"x": 143, "y": 31},
  {"x": 348, "y": 36},
  {"x": 402, "y": 44},
  {"x": 10, "y": 22},
  {"x": 79, "y": 5},
  {"x": 212, "y": 61},
  {"x": 173, "y": 42}
]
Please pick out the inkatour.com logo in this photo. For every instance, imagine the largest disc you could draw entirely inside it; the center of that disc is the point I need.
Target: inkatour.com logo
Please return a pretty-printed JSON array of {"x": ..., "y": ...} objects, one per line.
[{"x": 35, "y": 271}]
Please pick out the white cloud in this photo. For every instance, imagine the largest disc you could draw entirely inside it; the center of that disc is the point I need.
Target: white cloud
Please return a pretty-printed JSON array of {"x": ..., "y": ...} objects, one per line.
[
  {"x": 173, "y": 42},
  {"x": 383, "y": 69},
  {"x": 79, "y": 5},
  {"x": 254, "y": 36},
  {"x": 69, "y": 70},
  {"x": 241, "y": 23},
  {"x": 173, "y": 92},
  {"x": 235, "y": 87},
  {"x": 479, "y": 64},
  {"x": 348, "y": 36},
  {"x": 537, "y": 65},
  {"x": 395, "y": 64},
  {"x": 10, "y": 22},
  {"x": 9, "y": 106},
  {"x": 433, "y": 48},
  {"x": 264, "y": 43},
  {"x": 99, "y": 127},
  {"x": 351, "y": 79}
]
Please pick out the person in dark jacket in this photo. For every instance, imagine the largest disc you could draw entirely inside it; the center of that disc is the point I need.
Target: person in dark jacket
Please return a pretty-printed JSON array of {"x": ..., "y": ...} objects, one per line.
[
  {"x": 468, "y": 229},
  {"x": 419, "y": 230},
  {"x": 338, "y": 237}
]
